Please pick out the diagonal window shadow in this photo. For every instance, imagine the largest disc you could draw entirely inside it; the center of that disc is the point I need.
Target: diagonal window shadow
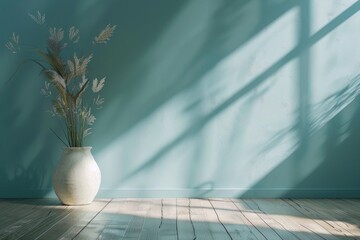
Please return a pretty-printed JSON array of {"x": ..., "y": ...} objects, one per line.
[{"x": 296, "y": 52}]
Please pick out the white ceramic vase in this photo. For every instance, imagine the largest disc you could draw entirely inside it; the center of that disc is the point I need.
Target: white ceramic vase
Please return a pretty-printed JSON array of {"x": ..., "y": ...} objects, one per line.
[{"x": 77, "y": 177}]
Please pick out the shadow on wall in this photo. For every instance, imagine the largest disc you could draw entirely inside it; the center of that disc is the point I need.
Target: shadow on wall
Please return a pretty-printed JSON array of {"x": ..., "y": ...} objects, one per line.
[
  {"x": 326, "y": 159},
  {"x": 177, "y": 62},
  {"x": 161, "y": 50},
  {"x": 306, "y": 156},
  {"x": 28, "y": 149},
  {"x": 154, "y": 61},
  {"x": 179, "y": 57},
  {"x": 324, "y": 162}
]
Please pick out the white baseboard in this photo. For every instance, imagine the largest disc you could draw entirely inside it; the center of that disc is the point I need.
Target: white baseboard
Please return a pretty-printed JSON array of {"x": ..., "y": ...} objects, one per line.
[
  {"x": 235, "y": 192},
  {"x": 202, "y": 192}
]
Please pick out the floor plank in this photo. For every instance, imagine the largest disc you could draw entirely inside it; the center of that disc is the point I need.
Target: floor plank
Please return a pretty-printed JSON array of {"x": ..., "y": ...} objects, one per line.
[
  {"x": 14, "y": 210},
  {"x": 236, "y": 224},
  {"x": 351, "y": 202},
  {"x": 152, "y": 220},
  {"x": 255, "y": 218},
  {"x": 204, "y": 226},
  {"x": 168, "y": 228},
  {"x": 334, "y": 229},
  {"x": 337, "y": 215},
  {"x": 139, "y": 210},
  {"x": 184, "y": 221},
  {"x": 345, "y": 209},
  {"x": 35, "y": 223},
  {"x": 73, "y": 223},
  {"x": 113, "y": 221},
  {"x": 291, "y": 222},
  {"x": 182, "y": 218}
]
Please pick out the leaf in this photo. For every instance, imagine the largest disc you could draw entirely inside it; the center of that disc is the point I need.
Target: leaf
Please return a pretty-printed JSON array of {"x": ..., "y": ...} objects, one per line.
[
  {"x": 84, "y": 64},
  {"x": 15, "y": 38},
  {"x": 57, "y": 81},
  {"x": 11, "y": 47},
  {"x": 54, "y": 46},
  {"x": 53, "y": 60},
  {"x": 76, "y": 62},
  {"x": 74, "y": 34},
  {"x": 13, "y": 43},
  {"x": 39, "y": 18},
  {"x": 87, "y": 132},
  {"x": 58, "y": 107},
  {"x": 99, "y": 101},
  {"x": 90, "y": 119},
  {"x": 78, "y": 67},
  {"x": 45, "y": 91},
  {"x": 105, "y": 34},
  {"x": 71, "y": 67},
  {"x": 55, "y": 77},
  {"x": 56, "y": 35},
  {"x": 98, "y": 85}
]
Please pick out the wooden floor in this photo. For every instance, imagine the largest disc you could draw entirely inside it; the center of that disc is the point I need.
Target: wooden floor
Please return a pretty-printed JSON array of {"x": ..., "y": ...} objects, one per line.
[{"x": 184, "y": 218}]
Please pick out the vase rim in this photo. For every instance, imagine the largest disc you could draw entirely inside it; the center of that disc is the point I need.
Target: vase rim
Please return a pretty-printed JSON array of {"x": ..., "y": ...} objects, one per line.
[{"x": 77, "y": 148}]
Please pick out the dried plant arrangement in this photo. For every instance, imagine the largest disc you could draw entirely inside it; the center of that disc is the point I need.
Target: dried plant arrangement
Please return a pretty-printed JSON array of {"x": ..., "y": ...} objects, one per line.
[{"x": 66, "y": 79}]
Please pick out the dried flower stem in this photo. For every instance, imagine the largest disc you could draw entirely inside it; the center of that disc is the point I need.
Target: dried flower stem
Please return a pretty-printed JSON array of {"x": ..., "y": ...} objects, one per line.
[{"x": 67, "y": 78}]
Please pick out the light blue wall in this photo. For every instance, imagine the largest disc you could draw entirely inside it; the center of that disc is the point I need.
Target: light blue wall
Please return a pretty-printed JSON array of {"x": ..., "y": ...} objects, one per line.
[{"x": 203, "y": 98}]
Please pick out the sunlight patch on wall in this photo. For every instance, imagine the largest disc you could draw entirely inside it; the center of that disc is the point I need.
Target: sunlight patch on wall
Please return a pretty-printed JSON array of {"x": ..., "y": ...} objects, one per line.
[
  {"x": 322, "y": 12},
  {"x": 263, "y": 50},
  {"x": 186, "y": 144},
  {"x": 334, "y": 67},
  {"x": 241, "y": 135},
  {"x": 246, "y": 132},
  {"x": 194, "y": 139}
]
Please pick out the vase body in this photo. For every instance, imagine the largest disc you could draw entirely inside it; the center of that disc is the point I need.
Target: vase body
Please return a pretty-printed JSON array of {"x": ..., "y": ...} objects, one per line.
[{"x": 77, "y": 177}]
